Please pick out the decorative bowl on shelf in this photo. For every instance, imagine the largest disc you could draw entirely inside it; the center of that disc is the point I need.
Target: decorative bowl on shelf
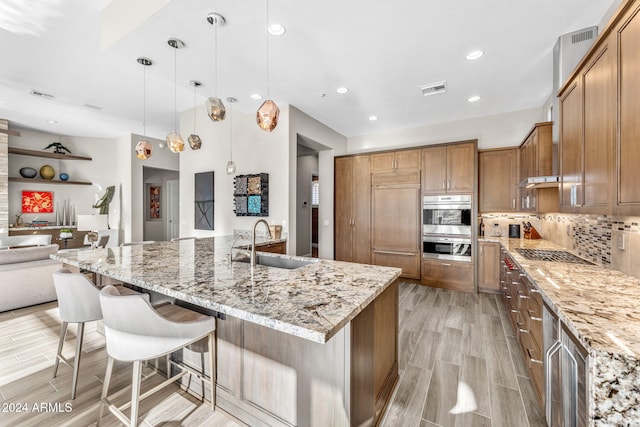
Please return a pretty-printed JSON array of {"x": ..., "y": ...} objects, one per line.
[
  {"x": 64, "y": 176},
  {"x": 47, "y": 172},
  {"x": 66, "y": 233},
  {"x": 27, "y": 172}
]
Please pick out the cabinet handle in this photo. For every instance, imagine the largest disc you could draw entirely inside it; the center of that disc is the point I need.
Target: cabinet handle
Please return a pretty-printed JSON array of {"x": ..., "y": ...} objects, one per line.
[
  {"x": 523, "y": 296},
  {"x": 513, "y": 203},
  {"x": 443, "y": 184},
  {"x": 393, "y": 253},
  {"x": 445, "y": 264},
  {"x": 448, "y": 184},
  {"x": 532, "y": 317},
  {"x": 534, "y": 290},
  {"x": 532, "y": 359}
]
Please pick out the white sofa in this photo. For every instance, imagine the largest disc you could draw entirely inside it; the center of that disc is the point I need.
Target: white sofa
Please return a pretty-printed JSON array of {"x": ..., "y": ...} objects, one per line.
[{"x": 26, "y": 273}]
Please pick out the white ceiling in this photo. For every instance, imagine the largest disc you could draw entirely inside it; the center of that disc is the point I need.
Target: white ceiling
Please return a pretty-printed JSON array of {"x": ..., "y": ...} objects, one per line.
[{"x": 381, "y": 51}]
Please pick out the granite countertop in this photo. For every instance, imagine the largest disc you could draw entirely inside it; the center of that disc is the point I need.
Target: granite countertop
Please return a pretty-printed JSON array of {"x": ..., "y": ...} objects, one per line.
[
  {"x": 312, "y": 302},
  {"x": 41, "y": 227},
  {"x": 600, "y": 305}
]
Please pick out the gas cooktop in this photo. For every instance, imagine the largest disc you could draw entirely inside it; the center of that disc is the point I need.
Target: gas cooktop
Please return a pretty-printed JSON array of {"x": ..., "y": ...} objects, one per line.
[{"x": 556, "y": 256}]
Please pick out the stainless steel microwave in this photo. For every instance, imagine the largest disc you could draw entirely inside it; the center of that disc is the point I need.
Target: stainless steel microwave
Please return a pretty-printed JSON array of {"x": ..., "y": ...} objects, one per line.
[
  {"x": 451, "y": 248},
  {"x": 448, "y": 215}
]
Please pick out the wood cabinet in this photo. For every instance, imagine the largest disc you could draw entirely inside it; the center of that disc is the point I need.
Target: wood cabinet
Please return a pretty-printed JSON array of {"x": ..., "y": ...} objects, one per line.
[
  {"x": 628, "y": 68},
  {"x": 353, "y": 209},
  {"x": 455, "y": 275},
  {"x": 449, "y": 168},
  {"x": 396, "y": 227},
  {"x": 587, "y": 135},
  {"x": 273, "y": 247},
  {"x": 489, "y": 267},
  {"x": 536, "y": 159},
  {"x": 498, "y": 180},
  {"x": 77, "y": 241},
  {"x": 395, "y": 161}
]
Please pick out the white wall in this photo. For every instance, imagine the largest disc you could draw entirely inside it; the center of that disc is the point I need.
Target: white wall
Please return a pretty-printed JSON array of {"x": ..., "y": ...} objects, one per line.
[
  {"x": 305, "y": 125},
  {"x": 161, "y": 158},
  {"x": 500, "y": 130},
  {"x": 307, "y": 167},
  {"x": 254, "y": 151},
  {"x": 107, "y": 168}
]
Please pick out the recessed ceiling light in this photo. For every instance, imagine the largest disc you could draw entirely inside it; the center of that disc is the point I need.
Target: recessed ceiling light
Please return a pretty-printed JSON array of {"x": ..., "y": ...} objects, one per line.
[
  {"x": 474, "y": 98},
  {"x": 373, "y": 118},
  {"x": 322, "y": 95},
  {"x": 277, "y": 29},
  {"x": 342, "y": 89},
  {"x": 41, "y": 94},
  {"x": 256, "y": 96},
  {"x": 474, "y": 55},
  {"x": 53, "y": 122}
]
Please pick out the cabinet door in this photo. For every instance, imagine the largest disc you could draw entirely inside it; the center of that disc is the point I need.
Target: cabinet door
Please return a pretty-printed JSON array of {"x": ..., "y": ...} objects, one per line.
[
  {"x": 448, "y": 274},
  {"x": 383, "y": 162},
  {"x": 629, "y": 110},
  {"x": 489, "y": 266},
  {"x": 361, "y": 197},
  {"x": 434, "y": 170},
  {"x": 498, "y": 180},
  {"x": 396, "y": 219},
  {"x": 599, "y": 133},
  {"x": 343, "y": 208},
  {"x": 542, "y": 139},
  {"x": 407, "y": 159},
  {"x": 460, "y": 168},
  {"x": 571, "y": 148}
]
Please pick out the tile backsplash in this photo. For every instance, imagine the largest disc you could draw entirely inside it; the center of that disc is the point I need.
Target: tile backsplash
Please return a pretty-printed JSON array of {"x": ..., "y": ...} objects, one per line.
[{"x": 606, "y": 240}]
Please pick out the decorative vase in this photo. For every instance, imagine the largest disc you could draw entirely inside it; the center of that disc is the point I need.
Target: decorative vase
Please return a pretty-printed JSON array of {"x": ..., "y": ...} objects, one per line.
[
  {"x": 28, "y": 172},
  {"x": 47, "y": 172},
  {"x": 64, "y": 176}
]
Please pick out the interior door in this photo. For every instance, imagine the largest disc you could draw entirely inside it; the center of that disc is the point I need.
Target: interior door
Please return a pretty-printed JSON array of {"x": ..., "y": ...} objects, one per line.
[{"x": 173, "y": 209}]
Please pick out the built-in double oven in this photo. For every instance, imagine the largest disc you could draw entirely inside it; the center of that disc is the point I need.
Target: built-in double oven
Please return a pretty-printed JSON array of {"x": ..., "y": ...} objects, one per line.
[{"x": 446, "y": 227}]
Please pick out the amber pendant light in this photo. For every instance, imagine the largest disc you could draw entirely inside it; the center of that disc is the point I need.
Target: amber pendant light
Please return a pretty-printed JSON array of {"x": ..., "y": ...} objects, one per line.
[
  {"x": 174, "y": 140},
  {"x": 144, "y": 149},
  {"x": 231, "y": 165},
  {"x": 194, "y": 139},
  {"x": 268, "y": 113},
  {"x": 215, "y": 108}
]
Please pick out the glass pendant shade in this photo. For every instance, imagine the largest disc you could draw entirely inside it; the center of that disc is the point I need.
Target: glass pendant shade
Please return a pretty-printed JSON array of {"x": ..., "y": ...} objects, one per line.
[
  {"x": 175, "y": 142},
  {"x": 267, "y": 115},
  {"x": 194, "y": 142},
  {"x": 231, "y": 167},
  {"x": 144, "y": 150},
  {"x": 215, "y": 109}
]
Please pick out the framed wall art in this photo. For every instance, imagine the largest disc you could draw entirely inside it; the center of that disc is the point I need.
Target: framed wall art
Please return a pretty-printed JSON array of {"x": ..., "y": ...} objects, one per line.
[
  {"x": 37, "y": 202},
  {"x": 153, "y": 202},
  {"x": 204, "y": 201},
  {"x": 251, "y": 195}
]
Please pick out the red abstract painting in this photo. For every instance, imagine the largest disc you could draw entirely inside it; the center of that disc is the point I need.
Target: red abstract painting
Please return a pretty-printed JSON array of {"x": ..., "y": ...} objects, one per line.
[{"x": 37, "y": 202}]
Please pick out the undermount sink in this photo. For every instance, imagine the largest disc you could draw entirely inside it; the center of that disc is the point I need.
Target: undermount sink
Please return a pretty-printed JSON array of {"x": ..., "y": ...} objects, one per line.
[{"x": 277, "y": 261}]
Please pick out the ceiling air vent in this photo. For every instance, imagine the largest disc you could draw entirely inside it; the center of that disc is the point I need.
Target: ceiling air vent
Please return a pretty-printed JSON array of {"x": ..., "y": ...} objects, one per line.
[
  {"x": 434, "y": 88},
  {"x": 41, "y": 94},
  {"x": 93, "y": 107},
  {"x": 581, "y": 36}
]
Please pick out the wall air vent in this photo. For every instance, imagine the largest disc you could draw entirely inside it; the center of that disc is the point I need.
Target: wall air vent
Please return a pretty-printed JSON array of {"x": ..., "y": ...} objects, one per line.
[
  {"x": 41, "y": 94},
  {"x": 434, "y": 88},
  {"x": 582, "y": 36}
]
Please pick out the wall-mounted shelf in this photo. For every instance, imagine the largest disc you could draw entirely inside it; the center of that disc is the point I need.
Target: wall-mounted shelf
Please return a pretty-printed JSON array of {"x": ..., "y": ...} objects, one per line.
[
  {"x": 47, "y": 181},
  {"x": 45, "y": 154}
]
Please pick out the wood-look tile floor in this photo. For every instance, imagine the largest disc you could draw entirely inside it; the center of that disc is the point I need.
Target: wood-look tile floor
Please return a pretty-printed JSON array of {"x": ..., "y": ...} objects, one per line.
[
  {"x": 447, "y": 338},
  {"x": 459, "y": 364}
]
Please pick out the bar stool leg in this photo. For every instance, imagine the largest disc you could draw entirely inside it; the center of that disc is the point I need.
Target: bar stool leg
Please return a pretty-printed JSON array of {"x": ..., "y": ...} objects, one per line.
[
  {"x": 76, "y": 362},
  {"x": 63, "y": 334},
  {"x": 135, "y": 392},
  {"x": 212, "y": 374},
  {"x": 105, "y": 388}
]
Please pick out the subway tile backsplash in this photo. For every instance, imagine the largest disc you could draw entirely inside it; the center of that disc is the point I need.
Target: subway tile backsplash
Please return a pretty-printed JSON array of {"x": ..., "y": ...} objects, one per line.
[{"x": 609, "y": 241}]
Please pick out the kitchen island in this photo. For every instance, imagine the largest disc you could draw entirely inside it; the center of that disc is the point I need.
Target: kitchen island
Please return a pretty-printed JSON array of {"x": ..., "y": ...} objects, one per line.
[{"x": 313, "y": 345}]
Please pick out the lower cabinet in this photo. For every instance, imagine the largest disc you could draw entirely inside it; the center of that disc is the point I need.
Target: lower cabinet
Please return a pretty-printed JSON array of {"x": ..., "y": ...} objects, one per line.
[
  {"x": 276, "y": 248},
  {"x": 489, "y": 267},
  {"x": 455, "y": 275},
  {"x": 409, "y": 262}
]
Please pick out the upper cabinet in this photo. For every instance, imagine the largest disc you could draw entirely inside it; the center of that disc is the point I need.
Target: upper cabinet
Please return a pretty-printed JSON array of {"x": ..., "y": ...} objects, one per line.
[
  {"x": 448, "y": 168},
  {"x": 599, "y": 133},
  {"x": 395, "y": 161},
  {"x": 536, "y": 159},
  {"x": 498, "y": 180}
]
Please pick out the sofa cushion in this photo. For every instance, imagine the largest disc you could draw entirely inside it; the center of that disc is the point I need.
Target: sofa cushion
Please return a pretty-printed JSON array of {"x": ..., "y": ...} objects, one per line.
[
  {"x": 12, "y": 256},
  {"x": 26, "y": 240}
]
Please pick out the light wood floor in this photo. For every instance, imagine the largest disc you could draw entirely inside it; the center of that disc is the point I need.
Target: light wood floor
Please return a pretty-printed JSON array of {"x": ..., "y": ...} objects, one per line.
[{"x": 446, "y": 338}]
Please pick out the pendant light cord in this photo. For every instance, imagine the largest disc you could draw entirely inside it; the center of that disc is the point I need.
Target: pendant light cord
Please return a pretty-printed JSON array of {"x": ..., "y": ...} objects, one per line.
[
  {"x": 144, "y": 101},
  {"x": 175, "y": 89},
  {"x": 195, "y": 86},
  {"x": 231, "y": 131},
  {"x": 215, "y": 57},
  {"x": 268, "y": 95}
]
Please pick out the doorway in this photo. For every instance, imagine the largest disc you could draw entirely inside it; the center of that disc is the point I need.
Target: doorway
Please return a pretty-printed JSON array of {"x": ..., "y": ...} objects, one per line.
[{"x": 161, "y": 203}]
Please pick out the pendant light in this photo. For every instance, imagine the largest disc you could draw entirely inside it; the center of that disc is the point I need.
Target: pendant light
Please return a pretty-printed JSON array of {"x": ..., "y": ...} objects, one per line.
[
  {"x": 215, "y": 108},
  {"x": 144, "y": 149},
  {"x": 194, "y": 140},
  {"x": 268, "y": 113},
  {"x": 231, "y": 165},
  {"x": 174, "y": 140}
]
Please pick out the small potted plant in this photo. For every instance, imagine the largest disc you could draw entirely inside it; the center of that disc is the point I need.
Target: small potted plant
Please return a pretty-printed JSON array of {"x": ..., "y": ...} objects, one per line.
[{"x": 66, "y": 233}]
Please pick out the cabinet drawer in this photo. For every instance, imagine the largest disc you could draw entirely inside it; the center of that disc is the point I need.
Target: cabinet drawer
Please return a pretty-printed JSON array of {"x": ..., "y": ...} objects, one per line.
[
  {"x": 277, "y": 248},
  {"x": 535, "y": 364},
  {"x": 407, "y": 261},
  {"x": 448, "y": 274},
  {"x": 396, "y": 178}
]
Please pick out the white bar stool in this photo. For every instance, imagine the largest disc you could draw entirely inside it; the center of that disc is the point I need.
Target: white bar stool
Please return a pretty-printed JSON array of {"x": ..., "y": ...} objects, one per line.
[
  {"x": 136, "y": 332},
  {"x": 79, "y": 302}
]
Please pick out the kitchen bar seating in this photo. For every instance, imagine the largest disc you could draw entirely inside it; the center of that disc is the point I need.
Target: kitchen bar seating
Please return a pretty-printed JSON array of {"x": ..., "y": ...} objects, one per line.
[
  {"x": 79, "y": 302},
  {"x": 135, "y": 332}
]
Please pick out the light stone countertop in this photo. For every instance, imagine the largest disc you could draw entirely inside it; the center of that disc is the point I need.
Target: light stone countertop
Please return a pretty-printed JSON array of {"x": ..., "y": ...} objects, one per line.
[
  {"x": 312, "y": 302},
  {"x": 602, "y": 308}
]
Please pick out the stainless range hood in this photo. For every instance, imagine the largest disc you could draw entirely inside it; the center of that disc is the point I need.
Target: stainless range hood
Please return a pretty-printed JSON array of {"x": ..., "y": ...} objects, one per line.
[{"x": 540, "y": 182}]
